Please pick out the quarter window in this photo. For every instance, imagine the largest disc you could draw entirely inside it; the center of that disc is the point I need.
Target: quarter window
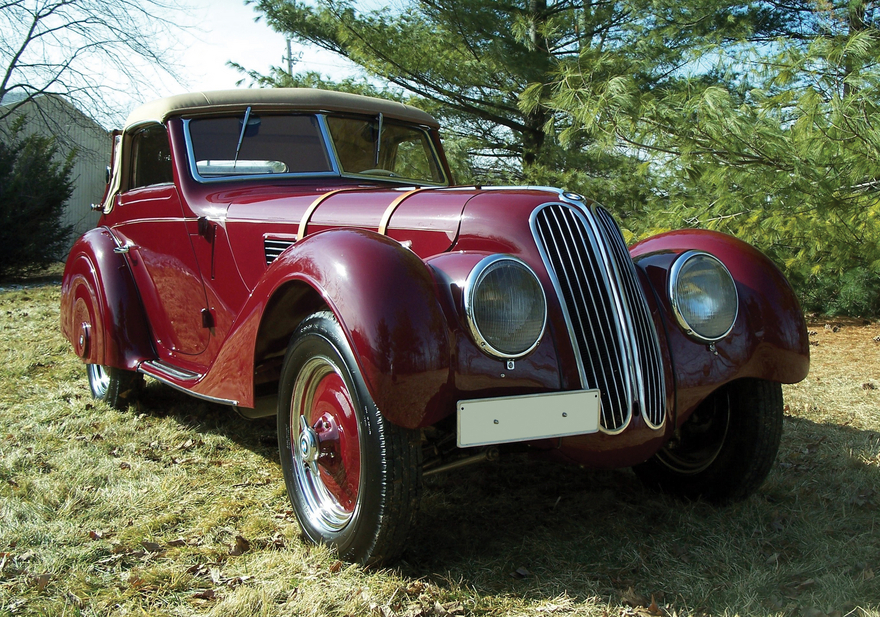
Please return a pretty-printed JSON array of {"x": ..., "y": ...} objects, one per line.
[{"x": 150, "y": 157}]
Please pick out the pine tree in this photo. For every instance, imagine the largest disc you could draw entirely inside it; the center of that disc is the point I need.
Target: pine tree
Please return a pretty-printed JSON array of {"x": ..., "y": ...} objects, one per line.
[{"x": 33, "y": 189}]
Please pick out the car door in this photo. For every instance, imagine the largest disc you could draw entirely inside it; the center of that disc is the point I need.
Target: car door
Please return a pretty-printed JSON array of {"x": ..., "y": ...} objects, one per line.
[{"x": 151, "y": 227}]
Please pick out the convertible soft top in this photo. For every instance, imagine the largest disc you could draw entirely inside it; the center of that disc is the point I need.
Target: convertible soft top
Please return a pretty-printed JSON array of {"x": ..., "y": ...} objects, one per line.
[{"x": 301, "y": 99}]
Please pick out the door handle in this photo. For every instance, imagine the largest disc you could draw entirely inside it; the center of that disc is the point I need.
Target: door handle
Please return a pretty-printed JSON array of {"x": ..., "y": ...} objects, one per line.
[{"x": 122, "y": 250}]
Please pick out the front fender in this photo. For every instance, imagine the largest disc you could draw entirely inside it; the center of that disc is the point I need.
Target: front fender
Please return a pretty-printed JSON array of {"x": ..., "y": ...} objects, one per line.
[
  {"x": 384, "y": 298},
  {"x": 101, "y": 312},
  {"x": 769, "y": 340}
]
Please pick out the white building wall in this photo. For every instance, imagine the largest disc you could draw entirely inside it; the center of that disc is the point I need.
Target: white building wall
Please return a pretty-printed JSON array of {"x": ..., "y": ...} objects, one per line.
[{"x": 54, "y": 116}]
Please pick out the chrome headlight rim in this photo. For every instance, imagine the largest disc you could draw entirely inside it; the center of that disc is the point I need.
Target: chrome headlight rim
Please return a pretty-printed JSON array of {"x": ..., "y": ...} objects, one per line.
[
  {"x": 678, "y": 265},
  {"x": 477, "y": 274}
]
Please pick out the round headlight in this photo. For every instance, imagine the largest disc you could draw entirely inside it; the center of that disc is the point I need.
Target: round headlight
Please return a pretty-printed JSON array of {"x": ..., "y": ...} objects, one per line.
[
  {"x": 505, "y": 306},
  {"x": 703, "y": 296}
]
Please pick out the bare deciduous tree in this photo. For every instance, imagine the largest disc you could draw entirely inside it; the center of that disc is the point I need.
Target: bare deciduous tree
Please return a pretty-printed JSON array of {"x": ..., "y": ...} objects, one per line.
[{"x": 99, "y": 54}]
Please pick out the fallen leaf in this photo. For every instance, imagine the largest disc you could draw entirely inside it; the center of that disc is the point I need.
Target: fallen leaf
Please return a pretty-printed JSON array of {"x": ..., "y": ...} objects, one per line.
[
  {"x": 454, "y": 608},
  {"x": 277, "y": 540},
  {"x": 207, "y": 594},
  {"x": 241, "y": 547},
  {"x": 199, "y": 570},
  {"x": 235, "y": 581},
  {"x": 654, "y": 609},
  {"x": 415, "y": 588},
  {"x": 336, "y": 567},
  {"x": 42, "y": 581},
  {"x": 634, "y": 599},
  {"x": 152, "y": 547},
  {"x": 520, "y": 573},
  {"x": 177, "y": 542}
]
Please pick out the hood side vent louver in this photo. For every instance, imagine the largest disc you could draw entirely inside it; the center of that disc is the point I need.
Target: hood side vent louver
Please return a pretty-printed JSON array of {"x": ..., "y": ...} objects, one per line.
[{"x": 274, "y": 247}]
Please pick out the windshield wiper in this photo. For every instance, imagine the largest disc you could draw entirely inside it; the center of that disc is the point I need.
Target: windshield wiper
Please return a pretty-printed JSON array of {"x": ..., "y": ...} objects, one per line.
[
  {"x": 244, "y": 125},
  {"x": 379, "y": 139}
]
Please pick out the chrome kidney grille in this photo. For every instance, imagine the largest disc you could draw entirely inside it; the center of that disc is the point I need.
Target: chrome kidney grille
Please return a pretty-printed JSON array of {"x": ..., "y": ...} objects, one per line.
[{"x": 605, "y": 311}]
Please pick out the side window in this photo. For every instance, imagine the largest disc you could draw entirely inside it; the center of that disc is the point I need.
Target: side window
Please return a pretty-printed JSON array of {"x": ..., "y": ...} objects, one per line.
[{"x": 150, "y": 157}]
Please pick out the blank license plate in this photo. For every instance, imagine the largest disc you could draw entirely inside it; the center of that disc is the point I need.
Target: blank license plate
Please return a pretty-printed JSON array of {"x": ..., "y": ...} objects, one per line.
[{"x": 524, "y": 418}]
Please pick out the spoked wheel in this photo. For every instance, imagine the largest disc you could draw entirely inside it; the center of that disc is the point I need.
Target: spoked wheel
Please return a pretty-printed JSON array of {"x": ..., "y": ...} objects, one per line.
[
  {"x": 353, "y": 478},
  {"x": 116, "y": 387},
  {"x": 725, "y": 449}
]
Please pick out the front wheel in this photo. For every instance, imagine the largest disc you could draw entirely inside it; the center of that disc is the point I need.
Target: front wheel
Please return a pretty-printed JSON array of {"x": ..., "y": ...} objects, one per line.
[
  {"x": 725, "y": 449},
  {"x": 353, "y": 478},
  {"x": 114, "y": 386}
]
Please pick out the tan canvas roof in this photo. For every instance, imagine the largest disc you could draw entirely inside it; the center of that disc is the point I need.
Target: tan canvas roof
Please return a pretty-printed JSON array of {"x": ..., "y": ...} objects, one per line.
[{"x": 301, "y": 99}]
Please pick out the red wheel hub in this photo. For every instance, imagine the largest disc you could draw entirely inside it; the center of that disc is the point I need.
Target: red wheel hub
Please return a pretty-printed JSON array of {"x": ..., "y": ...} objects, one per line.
[{"x": 334, "y": 422}]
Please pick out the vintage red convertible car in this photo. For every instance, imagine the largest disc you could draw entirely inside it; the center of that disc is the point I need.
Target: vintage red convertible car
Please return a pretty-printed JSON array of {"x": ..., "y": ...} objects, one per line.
[{"x": 304, "y": 254}]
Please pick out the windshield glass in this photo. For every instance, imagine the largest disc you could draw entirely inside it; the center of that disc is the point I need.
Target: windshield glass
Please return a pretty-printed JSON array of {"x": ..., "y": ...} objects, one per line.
[
  {"x": 403, "y": 151},
  {"x": 268, "y": 144}
]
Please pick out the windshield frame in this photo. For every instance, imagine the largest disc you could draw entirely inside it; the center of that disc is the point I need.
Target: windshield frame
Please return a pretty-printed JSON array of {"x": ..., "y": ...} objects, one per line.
[{"x": 336, "y": 170}]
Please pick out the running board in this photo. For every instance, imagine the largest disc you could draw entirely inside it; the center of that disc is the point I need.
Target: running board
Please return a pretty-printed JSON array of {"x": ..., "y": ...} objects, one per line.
[{"x": 178, "y": 379}]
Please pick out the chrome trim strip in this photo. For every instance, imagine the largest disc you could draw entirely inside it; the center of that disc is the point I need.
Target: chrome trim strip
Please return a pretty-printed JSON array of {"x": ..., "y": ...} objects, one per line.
[{"x": 161, "y": 369}]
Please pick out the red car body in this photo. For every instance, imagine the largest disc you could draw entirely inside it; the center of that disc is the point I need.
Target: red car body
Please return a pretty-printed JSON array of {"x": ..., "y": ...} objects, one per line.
[{"x": 201, "y": 283}]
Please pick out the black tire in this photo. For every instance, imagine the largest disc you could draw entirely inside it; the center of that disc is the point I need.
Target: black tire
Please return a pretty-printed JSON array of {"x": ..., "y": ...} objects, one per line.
[
  {"x": 366, "y": 513},
  {"x": 726, "y": 447},
  {"x": 116, "y": 387}
]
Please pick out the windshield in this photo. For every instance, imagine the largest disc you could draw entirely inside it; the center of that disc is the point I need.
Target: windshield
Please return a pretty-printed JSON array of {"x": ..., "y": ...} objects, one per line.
[
  {"x": 265, "y": 144},
  {"x": 378, "y": 147},
  {"x": 250, "y": 144}
]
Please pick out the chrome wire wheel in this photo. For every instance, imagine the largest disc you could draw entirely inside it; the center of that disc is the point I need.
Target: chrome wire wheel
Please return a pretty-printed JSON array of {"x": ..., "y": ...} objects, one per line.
[
  {"x": 327, "y": 452},
  {"x": 99, "y": 380}
]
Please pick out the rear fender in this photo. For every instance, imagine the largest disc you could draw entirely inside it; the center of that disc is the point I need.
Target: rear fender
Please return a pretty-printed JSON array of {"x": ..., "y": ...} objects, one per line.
[
  {"x": 101, "y": 312},
  {"x": 384, "y": 298},
  {"x": 769, "y": 340}
]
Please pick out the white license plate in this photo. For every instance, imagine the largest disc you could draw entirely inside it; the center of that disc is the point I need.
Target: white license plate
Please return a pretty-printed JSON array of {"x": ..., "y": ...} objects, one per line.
[{"x": 524, "y": 418}]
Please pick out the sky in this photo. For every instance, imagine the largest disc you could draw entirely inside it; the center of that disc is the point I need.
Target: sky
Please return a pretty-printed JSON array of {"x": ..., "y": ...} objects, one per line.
[{"x": 226, "y": 31}]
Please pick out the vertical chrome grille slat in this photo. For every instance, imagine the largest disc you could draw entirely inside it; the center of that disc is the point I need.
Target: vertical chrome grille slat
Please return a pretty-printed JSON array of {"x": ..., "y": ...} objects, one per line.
[{"x": 605, "y": 309}]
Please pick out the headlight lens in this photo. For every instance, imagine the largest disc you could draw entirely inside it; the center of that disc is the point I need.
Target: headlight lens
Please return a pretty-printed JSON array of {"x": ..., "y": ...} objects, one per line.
[
  {"x": 505, "y": 306},
  {"x": 703, "y": 296}
]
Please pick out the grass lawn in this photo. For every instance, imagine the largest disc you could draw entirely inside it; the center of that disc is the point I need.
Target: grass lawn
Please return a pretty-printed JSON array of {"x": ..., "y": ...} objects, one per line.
[{"x": 177, "y": 507}]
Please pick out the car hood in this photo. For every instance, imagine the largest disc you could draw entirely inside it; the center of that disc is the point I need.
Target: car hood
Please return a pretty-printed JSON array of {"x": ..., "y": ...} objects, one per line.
[{"x": 427, "y": 220}]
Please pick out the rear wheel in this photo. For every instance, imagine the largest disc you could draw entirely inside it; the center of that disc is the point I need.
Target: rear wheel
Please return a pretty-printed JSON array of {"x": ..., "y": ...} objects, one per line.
[
  {"x": 353, "y": 478},
  {"x": 115, "y": 386},
  {"x": 725, "y": 449}
]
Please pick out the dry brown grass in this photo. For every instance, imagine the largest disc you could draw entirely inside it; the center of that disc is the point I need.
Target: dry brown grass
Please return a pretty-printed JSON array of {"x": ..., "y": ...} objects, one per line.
[{"x": 138, "y": 512}]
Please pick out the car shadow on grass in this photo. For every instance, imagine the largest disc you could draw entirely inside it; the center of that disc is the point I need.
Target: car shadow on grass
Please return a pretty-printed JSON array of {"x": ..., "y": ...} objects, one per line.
[
  {"x": 539, "y": 532},
  {"x": 258, "y": 436}
]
